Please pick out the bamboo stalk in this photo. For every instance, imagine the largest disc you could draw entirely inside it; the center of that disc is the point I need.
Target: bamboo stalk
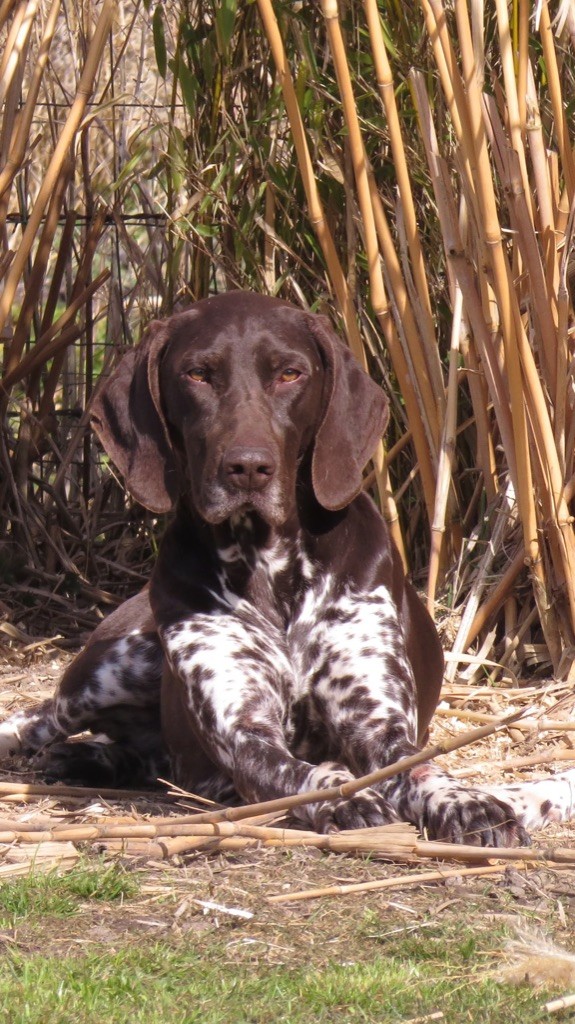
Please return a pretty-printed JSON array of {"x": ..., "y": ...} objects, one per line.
[
  {"x": 515, "y": 119},
  {"x": 518, "y": 357},
  {"x": 387, "y": 93},
  {"x": 513, "y": 763},
  {"x": 495, "y": 598},
  {"x": 563, "y": 1003},
  {"x": 53, "y": 171},
  {"x": 468, "y": 618},
  {"x": 22, "y": 132},
  {"x": 16, "y": 45},
  {"x": 554, "y": 84},
  {"x": 41, "y": 258},
  {"x": 316, "y": 212},
  {"x": 50, "y": 344},
  {"x": 464, "y": 274},
  {"x": 6, "y": 8},
  {"x": 522, "y": 856},
  {"x": 368, "y": 205},
  {"x": 282, "y": 804},
  {"x": 563, "y": 353},
  {"x": 39, "y": 789},
  {"x": 525, "y": 725},
  {"x": 541, "y": 176},
  {"x": 399, "y": 834},
  {"x": 422, "y": 878},
  {"x": 446, "y": 458},
  {"x": 544, "y": 303}
]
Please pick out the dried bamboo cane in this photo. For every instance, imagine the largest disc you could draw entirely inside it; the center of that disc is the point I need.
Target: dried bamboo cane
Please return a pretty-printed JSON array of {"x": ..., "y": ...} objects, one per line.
[
  {"x": 544, "y": 303},
  {"x": 16, "y": 45},
  {"x": 316, "y": 212},
  {"x": 522, "y": 856},
  {"x": 5, "y": 10},
  {"x": 495, "y": 598},
  {"x": 493, "y": 244},
  {"x": 22, "y": 132},
  {"x": 36, "y": 277},
  {"x": 513, "y": 763},
  {"x": 518, "y": 358},
  {"x": 53, "y": 171},
  {"x": 554, "y": 84},
  {"x": 464, "y": 275},
  {"x": 387, "y": 93},
  {"x": 232, "y": 814},
  {"x": 563, "y": 354},
  {"x": 422, "y": 878},
  {"x": 461, "y": 642},
  {"x": 511, "y": 95},
  {"x": 49, "y": 345},
  {"x": 540, "y": 167},
  {"x": 446, "y": 457},
  {"x": 366, "y": 203},
  {"x": 317, "y": 216}
]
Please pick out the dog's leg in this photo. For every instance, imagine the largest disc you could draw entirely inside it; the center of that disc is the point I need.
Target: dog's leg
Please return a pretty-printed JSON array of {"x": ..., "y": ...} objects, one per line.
[
  {"x": 363, "y": 688},
  {"x": 536, "y": 802},
  {"x": 29, "y": 730},
  {"x": 231, "y": 689},
  {"x": 120, "y": 668}
]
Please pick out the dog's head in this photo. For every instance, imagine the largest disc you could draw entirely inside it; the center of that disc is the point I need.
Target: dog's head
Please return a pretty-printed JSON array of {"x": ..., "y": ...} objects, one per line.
[{"x": 226, "y": 401}]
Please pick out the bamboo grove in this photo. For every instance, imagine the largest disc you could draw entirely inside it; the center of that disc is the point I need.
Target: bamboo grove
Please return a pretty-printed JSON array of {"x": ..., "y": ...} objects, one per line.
[{"x": 408, "y": 167}]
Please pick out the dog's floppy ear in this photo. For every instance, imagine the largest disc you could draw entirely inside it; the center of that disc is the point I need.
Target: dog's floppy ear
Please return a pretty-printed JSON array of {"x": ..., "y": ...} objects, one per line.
[
  {"x": 127, "y": 417},
  {"x": 354, "y": 418}
]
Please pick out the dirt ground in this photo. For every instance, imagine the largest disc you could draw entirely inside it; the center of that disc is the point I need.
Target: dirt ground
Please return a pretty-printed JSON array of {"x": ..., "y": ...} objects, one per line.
[{"x": 202, "y": 892}]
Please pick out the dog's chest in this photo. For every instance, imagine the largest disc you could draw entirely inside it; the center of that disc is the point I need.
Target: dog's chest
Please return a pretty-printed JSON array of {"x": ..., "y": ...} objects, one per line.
[{"x": 277, "y": 580}]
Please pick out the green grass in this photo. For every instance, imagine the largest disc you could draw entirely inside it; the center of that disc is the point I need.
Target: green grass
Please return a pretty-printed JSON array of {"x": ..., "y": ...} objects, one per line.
[
  {"x": 59, "y": 896},
  {"x": 381, "y": 970},
  {"x": 182, "y": 985}
]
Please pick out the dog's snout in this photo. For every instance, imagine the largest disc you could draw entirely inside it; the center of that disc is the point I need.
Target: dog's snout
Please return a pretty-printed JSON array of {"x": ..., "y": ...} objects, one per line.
[{"x": 249, "y": 468}]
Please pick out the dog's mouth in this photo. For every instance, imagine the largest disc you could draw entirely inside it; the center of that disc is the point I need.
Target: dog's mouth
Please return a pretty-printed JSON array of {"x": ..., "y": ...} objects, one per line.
[{"x": 221, "y": 504}]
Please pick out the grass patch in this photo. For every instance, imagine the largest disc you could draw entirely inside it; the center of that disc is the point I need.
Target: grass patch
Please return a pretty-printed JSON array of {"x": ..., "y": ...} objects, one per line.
[
  {"x": 60, "y": 895},
  {"x": 358, "y": 963},
  {"x": 198, "y": 980},
  {"x": 185, "y": 986}
]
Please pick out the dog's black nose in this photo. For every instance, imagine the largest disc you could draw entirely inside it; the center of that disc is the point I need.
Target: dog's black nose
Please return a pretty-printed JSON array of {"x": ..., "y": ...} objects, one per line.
[{"x": 249, "y": 469}]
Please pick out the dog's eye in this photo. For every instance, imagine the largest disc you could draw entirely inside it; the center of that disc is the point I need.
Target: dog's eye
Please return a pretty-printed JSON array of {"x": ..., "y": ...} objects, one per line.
[
  {"x": 198, "y": 375},
  {"x": 290, "y": 375}
]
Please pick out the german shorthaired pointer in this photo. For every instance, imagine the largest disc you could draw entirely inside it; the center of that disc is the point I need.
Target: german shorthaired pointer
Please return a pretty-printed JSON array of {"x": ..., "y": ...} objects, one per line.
[{"x": 279, "y": 642}]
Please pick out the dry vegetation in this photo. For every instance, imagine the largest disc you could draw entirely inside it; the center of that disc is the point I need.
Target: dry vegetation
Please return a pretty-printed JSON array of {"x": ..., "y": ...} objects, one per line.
[{"x": 408, "y": 167}]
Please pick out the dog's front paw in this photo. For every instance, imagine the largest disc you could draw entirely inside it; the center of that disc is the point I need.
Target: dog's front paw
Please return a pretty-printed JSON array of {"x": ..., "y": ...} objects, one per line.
[
  {"x": 366, "y": 809},
  {"x": 469, "y": 816}
]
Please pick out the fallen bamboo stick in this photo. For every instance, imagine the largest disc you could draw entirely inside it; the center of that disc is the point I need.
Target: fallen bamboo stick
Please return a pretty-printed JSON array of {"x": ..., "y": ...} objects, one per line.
[
  {"x": 394, "y": 842},
  {"x": 564, "y": 1003},
  {"x": 384, "y": 883},
  {"x": 526, "y": 724},
  {"x": 400, "y": 832},
  {"x": 43, "y": 789},
  {"x": 516, "y": 762}
]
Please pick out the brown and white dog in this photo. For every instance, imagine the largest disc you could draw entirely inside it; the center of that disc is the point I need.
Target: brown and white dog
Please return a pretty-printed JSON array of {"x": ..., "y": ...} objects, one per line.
[{"x": 279, "y": 648}]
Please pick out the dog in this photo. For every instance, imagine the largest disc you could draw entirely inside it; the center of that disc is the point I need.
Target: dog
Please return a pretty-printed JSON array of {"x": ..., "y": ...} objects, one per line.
[{"x": 279, "y": 647}]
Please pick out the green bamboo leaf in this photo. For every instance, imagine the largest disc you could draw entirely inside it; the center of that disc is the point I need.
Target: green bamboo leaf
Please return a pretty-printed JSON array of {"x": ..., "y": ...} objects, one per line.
[
  {"x": 160, "y": 40},
  {"x": 188, "y": 84},
  {"x": 225, "y": 21}
]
